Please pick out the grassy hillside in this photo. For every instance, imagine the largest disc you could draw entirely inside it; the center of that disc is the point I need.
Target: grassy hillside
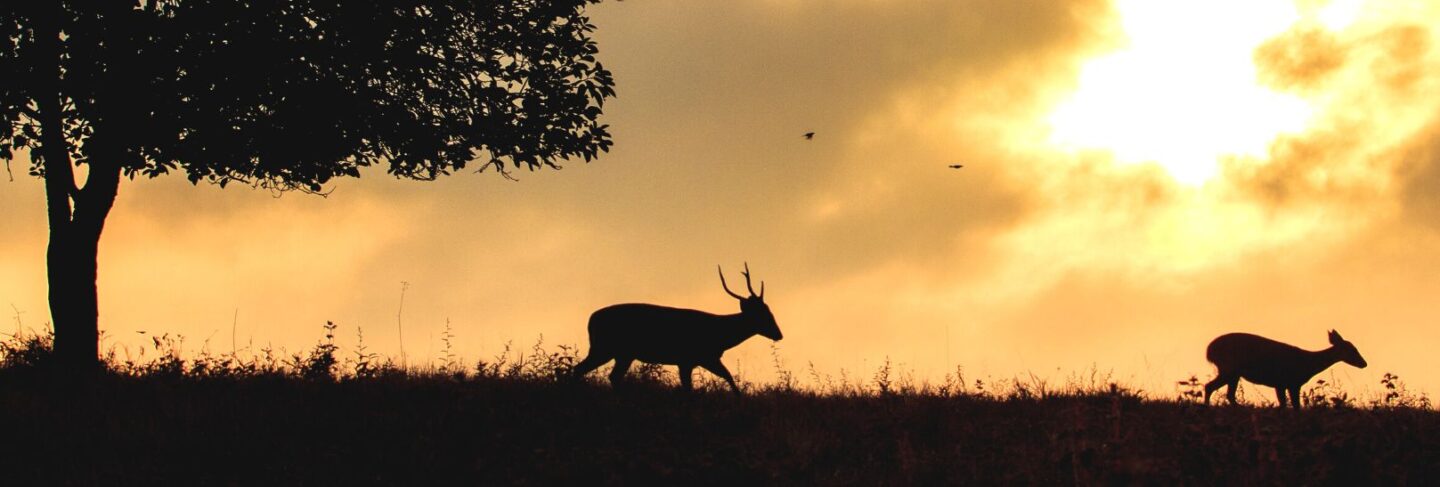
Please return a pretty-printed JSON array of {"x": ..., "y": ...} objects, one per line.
[{"x": 319, "y": 418}]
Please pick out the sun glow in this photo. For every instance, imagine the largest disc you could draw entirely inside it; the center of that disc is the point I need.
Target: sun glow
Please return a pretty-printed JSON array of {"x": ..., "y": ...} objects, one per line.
[{"x": 1183, "y": 93}]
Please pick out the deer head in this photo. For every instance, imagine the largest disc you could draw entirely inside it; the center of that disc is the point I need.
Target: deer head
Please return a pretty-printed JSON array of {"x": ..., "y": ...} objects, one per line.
[
  {"x": 753, "y": 308},
  {"x": 1348, "y": 353}
]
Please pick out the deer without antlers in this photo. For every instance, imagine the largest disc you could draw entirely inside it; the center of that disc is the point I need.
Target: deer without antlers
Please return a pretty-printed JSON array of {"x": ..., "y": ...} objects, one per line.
[
  {"x": 1271, "y": 363},
  {"x": 675, "y": 336}
]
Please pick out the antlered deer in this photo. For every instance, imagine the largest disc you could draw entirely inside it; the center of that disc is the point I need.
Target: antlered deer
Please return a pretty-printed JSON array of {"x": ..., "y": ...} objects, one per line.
[
  {"x": 674, "y": 336},
  {"x": 1271, "y": 363}
]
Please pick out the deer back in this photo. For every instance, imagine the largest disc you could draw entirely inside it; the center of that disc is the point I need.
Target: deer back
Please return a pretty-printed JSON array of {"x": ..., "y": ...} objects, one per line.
[
  {"x": 1272, "y": 363},
  {"x": 662, "y": 334}
]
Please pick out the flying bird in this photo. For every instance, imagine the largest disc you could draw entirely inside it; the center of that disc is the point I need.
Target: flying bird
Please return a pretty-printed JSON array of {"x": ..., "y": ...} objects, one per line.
[
  {"x": 809, "y": 135},
  {"x": 956, "y": 166}
]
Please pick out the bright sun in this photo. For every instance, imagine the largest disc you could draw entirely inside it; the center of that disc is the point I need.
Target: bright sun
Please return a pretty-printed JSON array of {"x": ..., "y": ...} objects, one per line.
[{"x": 1183, "y": 93}]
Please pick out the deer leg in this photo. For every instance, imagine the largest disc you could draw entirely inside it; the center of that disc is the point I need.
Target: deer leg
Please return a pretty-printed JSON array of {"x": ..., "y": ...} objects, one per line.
[
  {"x": 686, "y": 370},
  {"x": 592, "y": 361},
  {"x": 717, "y": 368},
  {"x": 1234, "y": 385},
  {"x": 1294, "y": 397},
  {"x": 1280, "y": 395},
  {"x": 1212, "y": 386},
  {"x": 617, "y": 374}
]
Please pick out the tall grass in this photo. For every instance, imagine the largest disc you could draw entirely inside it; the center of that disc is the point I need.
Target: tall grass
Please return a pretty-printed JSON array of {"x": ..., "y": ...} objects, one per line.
[
  {"x": 330, "y": 416},
  {"x": 164, "y": 359}
]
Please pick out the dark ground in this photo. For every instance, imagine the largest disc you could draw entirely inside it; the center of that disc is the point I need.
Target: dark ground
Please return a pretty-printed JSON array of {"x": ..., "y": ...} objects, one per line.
[{"x": 485, "y": 431}]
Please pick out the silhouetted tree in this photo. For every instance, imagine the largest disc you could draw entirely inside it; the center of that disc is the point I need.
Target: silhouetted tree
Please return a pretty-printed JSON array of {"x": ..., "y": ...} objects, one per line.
[{"x": 280, "y": 94}]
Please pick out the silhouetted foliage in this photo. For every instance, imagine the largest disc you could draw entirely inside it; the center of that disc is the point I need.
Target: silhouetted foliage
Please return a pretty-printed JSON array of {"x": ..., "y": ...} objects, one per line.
[
  {"x": 1397, "y": 395},
  {"x": 285, "y": 95},
  {"x": 319, "y": 364}
]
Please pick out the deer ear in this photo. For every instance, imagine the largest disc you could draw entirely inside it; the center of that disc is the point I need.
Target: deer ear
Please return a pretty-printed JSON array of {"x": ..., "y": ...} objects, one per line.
[{"x": 1335, "y": 338}]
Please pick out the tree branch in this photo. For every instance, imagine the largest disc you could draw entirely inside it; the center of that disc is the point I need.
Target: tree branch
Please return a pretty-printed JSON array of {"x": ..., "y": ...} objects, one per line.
[
  {"x": 53, "y": 152},
  {"x": 29, "y": 112},
  {"x": 93, "y": 203}
]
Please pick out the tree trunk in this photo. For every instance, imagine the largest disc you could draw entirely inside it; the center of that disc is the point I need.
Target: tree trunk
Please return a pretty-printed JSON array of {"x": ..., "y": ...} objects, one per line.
[
  {"x": 74, "y": 304},
  {"x": 71, "y": 262},
  {"x": 76, "y": 214}
]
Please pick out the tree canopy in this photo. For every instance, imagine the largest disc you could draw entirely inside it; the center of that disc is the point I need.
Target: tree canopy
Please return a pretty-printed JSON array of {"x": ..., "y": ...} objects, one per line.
[
  {"x": 284, "y": 94},
  {"x": 292, "y": 93}
]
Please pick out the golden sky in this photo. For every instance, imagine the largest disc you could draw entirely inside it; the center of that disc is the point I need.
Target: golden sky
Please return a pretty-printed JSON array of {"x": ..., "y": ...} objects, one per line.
[{"x": 1140, "y": 176}]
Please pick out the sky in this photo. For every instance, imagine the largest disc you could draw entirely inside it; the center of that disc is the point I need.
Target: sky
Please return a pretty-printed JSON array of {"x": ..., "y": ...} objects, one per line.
[{"x": 1139, "y": 177}]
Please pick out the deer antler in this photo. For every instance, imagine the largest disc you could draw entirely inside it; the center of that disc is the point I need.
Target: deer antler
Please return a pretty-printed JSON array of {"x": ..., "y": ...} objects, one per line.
[
  {"x": 727, "y": 288},
  {"x": 748, "y": 287},
  {"x": 747, "y": 284}
]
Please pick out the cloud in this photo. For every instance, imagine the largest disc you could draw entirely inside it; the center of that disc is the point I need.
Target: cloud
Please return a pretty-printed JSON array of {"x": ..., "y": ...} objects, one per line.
[
  {"x": 1420, "y": 173},
  {"x": 1302, "y": 59},
  {"x": 1374, "y": 83},
  {"x": 1030, "y": 257}
]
